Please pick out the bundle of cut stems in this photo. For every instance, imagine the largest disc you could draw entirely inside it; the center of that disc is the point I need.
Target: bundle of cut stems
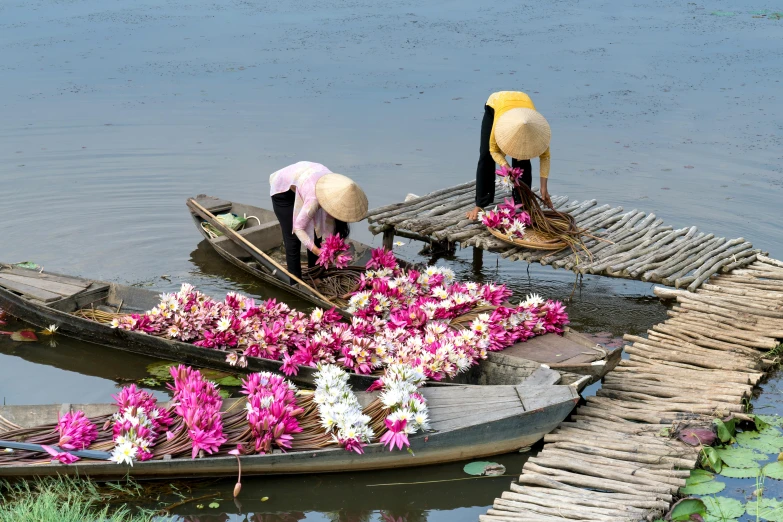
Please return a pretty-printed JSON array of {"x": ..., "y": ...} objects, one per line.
[
  {"x": 553, "y": 223},
  {"x": 235, "y": 428}
]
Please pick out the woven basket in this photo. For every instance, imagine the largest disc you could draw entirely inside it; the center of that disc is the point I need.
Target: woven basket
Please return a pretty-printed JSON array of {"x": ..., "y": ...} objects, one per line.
[{"x": 534, "y": 240}]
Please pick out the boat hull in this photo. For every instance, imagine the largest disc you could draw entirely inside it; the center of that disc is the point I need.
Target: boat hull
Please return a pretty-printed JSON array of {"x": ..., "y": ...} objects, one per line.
[{"x": 482, "y": 439}]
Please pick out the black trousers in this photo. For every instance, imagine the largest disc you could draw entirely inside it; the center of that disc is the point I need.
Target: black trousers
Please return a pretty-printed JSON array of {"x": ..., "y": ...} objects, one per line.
[
  {"x": 485, "y": 171},
  {"x": 283, "y": 205}
]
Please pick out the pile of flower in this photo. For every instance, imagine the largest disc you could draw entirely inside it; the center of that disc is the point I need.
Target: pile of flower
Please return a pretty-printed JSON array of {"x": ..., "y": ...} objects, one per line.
[
  {"x": 334, "y": 252},
  {"x": 271, "y": 411},
  {"x": 400, "y": 316},
  {"x": 339, "y": 409},
  {"x": 408, "y": 408},
  {"x": 506, "y": 218},
  {"x": 76, "y": 432},
  {"x": 198, "y": 403},
  {"x": 136, "y": 425}
]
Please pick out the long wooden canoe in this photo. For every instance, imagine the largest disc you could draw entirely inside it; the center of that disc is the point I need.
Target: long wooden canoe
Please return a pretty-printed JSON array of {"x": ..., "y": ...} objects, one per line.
[
  {"x": 573, "y": 352},
  {"x": 43, "y": 299},
  {"x": 467, "y": 422}
]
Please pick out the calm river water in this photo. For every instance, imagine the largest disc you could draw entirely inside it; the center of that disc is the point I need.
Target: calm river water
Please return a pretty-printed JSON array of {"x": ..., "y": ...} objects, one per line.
[{"x": 114, "y": 113}]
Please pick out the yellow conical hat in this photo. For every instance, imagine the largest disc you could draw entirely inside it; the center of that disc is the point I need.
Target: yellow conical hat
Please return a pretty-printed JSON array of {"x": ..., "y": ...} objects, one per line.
[
  {"x": 341, "y": 197},
  {"x": 522, "y": 133}
]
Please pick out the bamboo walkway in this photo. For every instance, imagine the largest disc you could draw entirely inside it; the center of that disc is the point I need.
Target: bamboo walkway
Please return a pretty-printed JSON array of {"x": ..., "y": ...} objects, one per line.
[
  {"x": 633, "y": 245},
  {"x": 610, "y": 461}
]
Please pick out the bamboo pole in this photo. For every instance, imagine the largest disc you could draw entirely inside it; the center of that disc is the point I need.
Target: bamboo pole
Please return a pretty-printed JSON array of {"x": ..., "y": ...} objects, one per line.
[{"x": 251, "y": 248}]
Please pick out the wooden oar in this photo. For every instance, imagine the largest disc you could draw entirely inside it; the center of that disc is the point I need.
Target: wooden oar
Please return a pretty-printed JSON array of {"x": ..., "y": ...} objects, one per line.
[
  {"x": 257, "y": 253},
  {"x": 84, "y": 454}
]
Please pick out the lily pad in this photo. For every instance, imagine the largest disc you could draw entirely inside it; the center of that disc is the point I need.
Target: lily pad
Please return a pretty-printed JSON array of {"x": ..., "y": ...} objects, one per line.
[
  {"x": 698, "y": 476},
  {"x": 772, "y": 420},
  {"x": 723, "y": 509},
  {"x": 229, "y": 381},
  {"x": 768, "y": 442},
  {"x": 766, "y": 509},
  {"x": 484, "y": 468},
  {"x": 687, "y": 508},
  {"x": 160, "y": 370},
  {"x": 741, "y": 472},
  {"x": 773, "y": 470},
  {"x": 703, "y": 488},
  {"x": 214, "y": 505},
  {"x": 740, "y": 457}
]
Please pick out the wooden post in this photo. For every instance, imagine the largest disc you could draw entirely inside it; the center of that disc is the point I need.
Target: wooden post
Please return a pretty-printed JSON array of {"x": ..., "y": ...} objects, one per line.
[
  {"x": 388, "y": 238},
  {"x": 478, "y": 260}
]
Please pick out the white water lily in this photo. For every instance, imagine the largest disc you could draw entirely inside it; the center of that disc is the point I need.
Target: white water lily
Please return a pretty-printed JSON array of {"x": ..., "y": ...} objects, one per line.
[
  {"x": 533, "y": 300},
  {"x": 124, "y": 453},
  {"x": 51, "y": 329},
  {"x": 224, "y": 324}
]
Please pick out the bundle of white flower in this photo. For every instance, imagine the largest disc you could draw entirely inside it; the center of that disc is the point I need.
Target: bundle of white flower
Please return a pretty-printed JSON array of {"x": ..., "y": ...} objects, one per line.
[
  {"x": 408, "y": 408},
  {"x": 339, "y": 409}
]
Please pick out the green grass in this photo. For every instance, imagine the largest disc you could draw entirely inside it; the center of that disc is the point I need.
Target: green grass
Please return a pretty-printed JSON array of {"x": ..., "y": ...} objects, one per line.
[{"x": 70, "y": 500}]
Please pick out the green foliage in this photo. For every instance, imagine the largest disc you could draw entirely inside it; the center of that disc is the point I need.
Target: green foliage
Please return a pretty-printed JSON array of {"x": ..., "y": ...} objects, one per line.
[
  {"x": 725, "y": 430},
  {"x": 741, "y": 472},
  {"x": 740, "y": 457},
  {"x": 66, "y": 500},
  {"x": 769, "y": 441},
  {"x": 773, "y": 470},
  {"x": 682, "y": 510},
  {"x": 711, "y": 459},
  {"x": 723, "y": 509},
  {"x": 481, "y": 468},
  {"x": 766, "y": 509},
  {"x": 701, "y": 482}
]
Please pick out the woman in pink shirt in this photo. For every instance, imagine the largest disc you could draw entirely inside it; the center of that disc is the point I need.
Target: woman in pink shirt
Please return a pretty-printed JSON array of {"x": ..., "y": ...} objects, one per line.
[{"x": 311, "y": 202}]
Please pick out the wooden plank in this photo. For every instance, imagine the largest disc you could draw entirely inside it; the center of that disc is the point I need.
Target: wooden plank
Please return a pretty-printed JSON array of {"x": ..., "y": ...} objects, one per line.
[
  {"x": 552, "y": 349},
  {"x": 63, "y": 289},
  {"x": 30, "y": 291},
  {"x": 73, "y": 281},
  {"x": 542, "y": 377}
]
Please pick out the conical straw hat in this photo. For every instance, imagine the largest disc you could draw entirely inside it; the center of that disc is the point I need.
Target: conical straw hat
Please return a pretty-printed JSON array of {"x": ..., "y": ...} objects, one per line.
[
  {"x": 341, "y": 197},
  {"x": 522, "y": 133}
]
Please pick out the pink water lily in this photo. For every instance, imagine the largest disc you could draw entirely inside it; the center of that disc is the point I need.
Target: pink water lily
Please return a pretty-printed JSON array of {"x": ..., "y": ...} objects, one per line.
[
  {"x": 396, "y": 434},
  {"x": 63, "y": 457},
  {"x": 334, "y": 252}
]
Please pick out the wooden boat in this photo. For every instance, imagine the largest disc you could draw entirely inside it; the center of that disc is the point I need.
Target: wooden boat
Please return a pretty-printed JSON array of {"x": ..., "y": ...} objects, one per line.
[
  {"x": 467, "y": 422},
  {"x": 44, "y": 299},
  {"x": 572, "y": 352}
]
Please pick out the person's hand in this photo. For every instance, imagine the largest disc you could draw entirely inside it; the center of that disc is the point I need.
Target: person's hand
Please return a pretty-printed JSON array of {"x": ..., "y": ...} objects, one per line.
[
  {"x": 545, "y": 192},
  {"x": 315, "y": 250},
  {"x": 473, "y": 214},
  {"x": 546, "y": 198}
]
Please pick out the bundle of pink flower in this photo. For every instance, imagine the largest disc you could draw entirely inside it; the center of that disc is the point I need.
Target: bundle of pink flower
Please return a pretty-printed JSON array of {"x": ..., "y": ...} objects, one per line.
[
  {"x": 334, "y": 252},
  {"x": 400, "y": 316},
  {"x": 509, "y": 177},
  {"x": 76, "y": 432},
  {"x": 507, "y": 218},
  {"x": 271, "y": 411},
  {"x": 198, "y": 403},
  {"x": 136, "y": 425}
]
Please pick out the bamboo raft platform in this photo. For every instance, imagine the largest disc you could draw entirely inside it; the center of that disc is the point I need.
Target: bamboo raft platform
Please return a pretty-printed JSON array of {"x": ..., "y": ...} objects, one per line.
[
  {"x": 629, "y": 245},
  {"x": 610, "y": 461}
]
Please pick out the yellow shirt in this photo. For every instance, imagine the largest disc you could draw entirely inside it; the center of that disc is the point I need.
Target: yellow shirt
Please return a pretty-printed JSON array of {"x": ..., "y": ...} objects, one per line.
[{"x": 504, "y": 101}]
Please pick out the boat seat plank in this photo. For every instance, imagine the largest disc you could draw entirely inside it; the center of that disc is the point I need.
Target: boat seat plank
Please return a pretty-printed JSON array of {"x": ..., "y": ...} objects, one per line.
[
  {"x": 68, "y": 280},
  {"x": 456, "y": 412},
  {"x": 29, "y": 291},
  {"x": 213, "y": 204},
  {"x": 466, "y": 392},
  {"x": 56, "y": 287},
  {"x": 553, "y": 349},
  {"x": 471, "y": 420},
  {"x": 543, "y": 377}
]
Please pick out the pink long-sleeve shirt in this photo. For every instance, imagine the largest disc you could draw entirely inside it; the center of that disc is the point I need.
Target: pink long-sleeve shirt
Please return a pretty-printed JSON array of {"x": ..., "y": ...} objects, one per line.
[{"x": 309, "y": 218}]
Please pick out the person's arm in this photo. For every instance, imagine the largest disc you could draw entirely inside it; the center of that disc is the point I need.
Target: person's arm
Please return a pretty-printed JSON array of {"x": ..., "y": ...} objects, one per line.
[
  {"x": 303, "y": 219},
  {"x": 544, "y": 159}
]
